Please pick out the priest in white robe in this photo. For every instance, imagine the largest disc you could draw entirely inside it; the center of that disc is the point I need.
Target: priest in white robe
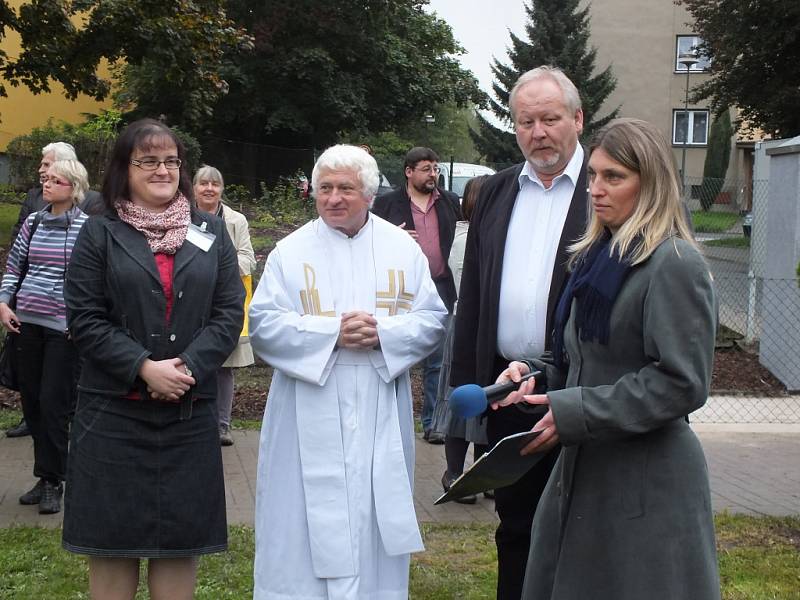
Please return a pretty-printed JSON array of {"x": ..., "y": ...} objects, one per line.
[{"x": 344, "y": 309}]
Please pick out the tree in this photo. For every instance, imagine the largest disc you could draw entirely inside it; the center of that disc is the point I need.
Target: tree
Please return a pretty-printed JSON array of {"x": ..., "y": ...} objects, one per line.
[
  {"x": 448, "y": 135},
  {"x": 66, "y": 41},
  {"x": 717, "y": 157},
  {"x": 754, "y": 49},
  {"x": 322, "y": 68},
  {"x": 558, "y": 35},
  {"x": 93, "y": 141}
]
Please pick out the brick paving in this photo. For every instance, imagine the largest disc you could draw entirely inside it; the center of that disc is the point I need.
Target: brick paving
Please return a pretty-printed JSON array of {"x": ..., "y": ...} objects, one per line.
[{"x": 754, "y": 470}]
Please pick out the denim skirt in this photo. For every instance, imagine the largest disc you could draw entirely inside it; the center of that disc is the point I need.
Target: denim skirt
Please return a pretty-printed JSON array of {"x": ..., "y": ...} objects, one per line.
[{"x": 142, "y": 482}]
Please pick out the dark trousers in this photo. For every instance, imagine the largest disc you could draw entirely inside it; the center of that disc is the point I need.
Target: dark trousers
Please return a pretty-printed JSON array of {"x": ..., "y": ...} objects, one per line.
[
  {"x": 516, "y": 503},
  {"x": 47, "y": 363}
]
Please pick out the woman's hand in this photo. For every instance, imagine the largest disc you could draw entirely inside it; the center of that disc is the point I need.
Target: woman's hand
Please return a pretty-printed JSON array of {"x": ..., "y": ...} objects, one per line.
[
  {"x": 547, "y": 425},
  {"x": 515, "y": 371},
  {"x": 166, "y": 379},
  {"x": 8, "y": 318}
]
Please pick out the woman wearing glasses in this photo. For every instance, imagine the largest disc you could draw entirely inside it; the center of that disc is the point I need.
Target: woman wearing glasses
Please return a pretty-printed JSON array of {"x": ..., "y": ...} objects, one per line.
[
  {"x": 45, "y": 356},
  {"x": 155, "y": 307}
]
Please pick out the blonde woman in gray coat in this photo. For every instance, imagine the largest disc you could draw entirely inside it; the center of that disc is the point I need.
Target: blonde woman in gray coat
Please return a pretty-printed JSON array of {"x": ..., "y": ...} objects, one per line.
[
  {"x": 626, "y": 513},
  {"x": 208, "y": 188}
]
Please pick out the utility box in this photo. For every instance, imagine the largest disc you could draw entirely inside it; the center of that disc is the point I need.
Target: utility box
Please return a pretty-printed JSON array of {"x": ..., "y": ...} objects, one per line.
[{"x": 780, "y": 333}]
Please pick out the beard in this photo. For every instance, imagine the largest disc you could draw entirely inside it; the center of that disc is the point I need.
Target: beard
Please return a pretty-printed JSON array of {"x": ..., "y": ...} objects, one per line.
[
  {"x": 425, "y": 187},
  {"x": 545, "y": 163}
]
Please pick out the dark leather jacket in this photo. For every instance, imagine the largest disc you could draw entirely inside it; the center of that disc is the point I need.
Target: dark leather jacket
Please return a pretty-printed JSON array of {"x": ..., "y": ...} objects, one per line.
[
  {"x": 116, "y": 309},
  {"x": 395, "y": 207}
]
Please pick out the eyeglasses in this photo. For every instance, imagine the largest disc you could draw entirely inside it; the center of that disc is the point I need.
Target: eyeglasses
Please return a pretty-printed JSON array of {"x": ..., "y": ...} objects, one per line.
[
  {"x": 151, "y": 164},
  {"x": 54, "y": 181},
  {"x": 428, "y": 170}
]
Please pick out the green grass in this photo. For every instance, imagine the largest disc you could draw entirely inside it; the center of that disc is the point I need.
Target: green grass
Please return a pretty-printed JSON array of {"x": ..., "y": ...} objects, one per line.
[
  {"x": 713, "y": 222},
  {"x": 8, "y": 218},
  {"x": 262, "y": 242},
  {"x": 35, "y": 566},
  {"x": 759, "y": 557},
  {"x": 9, "y": 417},
  {"x": 759, "y": 560},
  {"x": 731, "y": 242},
  {"x": 249, "y": 424},
  {"x": 458, "y": 562}
]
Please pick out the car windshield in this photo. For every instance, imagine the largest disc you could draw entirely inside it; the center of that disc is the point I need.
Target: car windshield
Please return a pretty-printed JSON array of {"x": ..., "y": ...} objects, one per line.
[{"x": 459, "y": 183}]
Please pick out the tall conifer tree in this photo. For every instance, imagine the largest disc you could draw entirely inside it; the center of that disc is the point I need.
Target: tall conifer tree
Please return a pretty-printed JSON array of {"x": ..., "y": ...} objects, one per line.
[{"x": 558, "y": 35}]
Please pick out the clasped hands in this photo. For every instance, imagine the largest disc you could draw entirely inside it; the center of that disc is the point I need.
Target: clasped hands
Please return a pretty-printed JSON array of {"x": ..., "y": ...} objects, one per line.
[
  {"x": 358, "y": 331},
  {"x": 546, "y": 425},
  {"x": 166, "y": 379}
]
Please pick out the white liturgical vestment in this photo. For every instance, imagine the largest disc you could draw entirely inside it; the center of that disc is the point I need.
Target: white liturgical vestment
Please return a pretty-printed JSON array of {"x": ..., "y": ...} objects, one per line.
[{"x": 335, "y": 514}]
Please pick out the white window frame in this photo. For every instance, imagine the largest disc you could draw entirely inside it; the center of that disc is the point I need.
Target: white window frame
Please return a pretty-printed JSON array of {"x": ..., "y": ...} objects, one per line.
[
  {"x": 690, "y": 126},
  {"x": 703, "y": 63}
]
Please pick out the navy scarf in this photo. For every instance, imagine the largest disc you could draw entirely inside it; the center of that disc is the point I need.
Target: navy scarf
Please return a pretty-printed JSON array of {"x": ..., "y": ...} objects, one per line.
[{"x": 594, "y": 283}]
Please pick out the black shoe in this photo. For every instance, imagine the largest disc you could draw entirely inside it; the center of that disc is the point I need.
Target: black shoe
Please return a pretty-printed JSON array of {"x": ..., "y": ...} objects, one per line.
[
  {"x": 447, "y": 482},
  {"x": 21, "y": 429},
  {"x": 433, "y": 437},
  {"x": 225, "y": 437},
  {"x": 33, "y": 495},
  {"x": 489, "y": 494},
  {"x": 51, "y": 498}
]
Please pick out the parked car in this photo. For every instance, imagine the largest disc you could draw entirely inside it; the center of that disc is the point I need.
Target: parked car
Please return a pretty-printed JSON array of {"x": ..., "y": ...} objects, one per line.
[
  {"x": 384, "y": 187},
  {"x": 462, "y": 173}
]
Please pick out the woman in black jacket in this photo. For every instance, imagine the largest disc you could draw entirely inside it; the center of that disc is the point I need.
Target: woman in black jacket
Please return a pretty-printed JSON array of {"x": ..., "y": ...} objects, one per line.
[{"x": 155, "y": 306}]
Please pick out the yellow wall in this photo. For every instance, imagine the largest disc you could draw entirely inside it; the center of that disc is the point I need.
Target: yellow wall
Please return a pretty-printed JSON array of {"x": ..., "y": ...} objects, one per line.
[{"x": 21, "y": 111}]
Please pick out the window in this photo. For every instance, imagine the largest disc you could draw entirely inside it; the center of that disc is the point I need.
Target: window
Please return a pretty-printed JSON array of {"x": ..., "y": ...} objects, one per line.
[
  {"x": 695, "y": 122},
  {"x": 686, "y": 44}
]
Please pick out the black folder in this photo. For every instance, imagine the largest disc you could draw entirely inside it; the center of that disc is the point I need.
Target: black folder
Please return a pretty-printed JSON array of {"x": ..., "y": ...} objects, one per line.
[{"x": 501, "y": 466}]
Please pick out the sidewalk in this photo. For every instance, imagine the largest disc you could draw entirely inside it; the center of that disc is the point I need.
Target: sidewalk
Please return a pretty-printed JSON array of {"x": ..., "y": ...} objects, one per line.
[{"x": 755, "y": 469}]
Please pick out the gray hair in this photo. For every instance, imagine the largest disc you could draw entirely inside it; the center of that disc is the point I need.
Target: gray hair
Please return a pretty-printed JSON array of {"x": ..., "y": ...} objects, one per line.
[
  {"x": 60, "y": 150},
  {"x": 572, "y": 99},
  {"x": 74, "y": 172},
  {"x": 208, "y": 173},
  {"x": 352, "y": 158}
]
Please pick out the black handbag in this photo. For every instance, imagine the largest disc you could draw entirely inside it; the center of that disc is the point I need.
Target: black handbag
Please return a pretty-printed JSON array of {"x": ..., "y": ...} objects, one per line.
[
  {"x": 8, "y": 362},
  {"x": 9, "y": 377}
]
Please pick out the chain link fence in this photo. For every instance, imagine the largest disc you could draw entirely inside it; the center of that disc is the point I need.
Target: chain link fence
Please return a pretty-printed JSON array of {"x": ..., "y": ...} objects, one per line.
[
  {"x": 757, "y": 311},
  {"x": 250, "y": 164}
]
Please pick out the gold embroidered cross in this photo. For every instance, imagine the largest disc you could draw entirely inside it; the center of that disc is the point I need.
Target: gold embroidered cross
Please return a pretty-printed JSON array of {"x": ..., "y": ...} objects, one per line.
[
  {"x": 310, "y": 296},
  {"x": 395, "y": 298}
]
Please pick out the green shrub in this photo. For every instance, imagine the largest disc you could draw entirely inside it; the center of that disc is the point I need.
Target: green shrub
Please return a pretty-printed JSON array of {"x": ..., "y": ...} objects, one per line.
[
  {"x": 285, "y": 203},
  {"x": 93, "y": 141},
  {"x": 238, "y": 196},
  {"x": 10, "y": 195}
]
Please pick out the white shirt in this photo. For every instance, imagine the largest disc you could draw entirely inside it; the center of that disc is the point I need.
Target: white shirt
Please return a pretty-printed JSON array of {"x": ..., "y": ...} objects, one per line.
[{"x": 534, "y": 231}]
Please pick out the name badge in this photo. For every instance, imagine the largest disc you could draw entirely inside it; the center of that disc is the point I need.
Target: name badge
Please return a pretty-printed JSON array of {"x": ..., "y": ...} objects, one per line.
[{"x": 200, "y": 237}]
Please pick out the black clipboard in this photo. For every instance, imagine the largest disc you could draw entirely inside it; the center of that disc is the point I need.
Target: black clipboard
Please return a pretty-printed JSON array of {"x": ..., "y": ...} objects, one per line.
[{"x": 501, "y": 466}]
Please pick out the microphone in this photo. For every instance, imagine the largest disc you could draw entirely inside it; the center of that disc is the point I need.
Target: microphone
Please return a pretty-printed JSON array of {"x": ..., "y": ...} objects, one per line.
[{"x": 471, "y": 400}]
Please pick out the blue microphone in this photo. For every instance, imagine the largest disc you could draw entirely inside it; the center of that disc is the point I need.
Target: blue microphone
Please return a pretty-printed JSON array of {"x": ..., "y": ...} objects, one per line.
[{"x": 471, "y": 400}]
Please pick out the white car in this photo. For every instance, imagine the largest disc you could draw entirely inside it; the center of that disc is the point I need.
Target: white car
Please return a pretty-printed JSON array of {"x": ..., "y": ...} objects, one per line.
[{"x": 462, "y": 173}]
